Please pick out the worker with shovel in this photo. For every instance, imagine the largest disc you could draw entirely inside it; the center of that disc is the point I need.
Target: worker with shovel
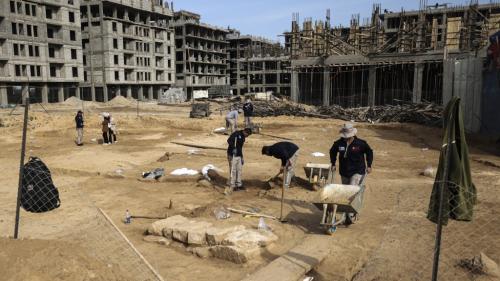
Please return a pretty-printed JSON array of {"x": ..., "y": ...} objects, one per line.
[
  {"x": 235, "y": 159},
  {"x": 288, "y": 153},
  {"x": 355, "y": 158}
]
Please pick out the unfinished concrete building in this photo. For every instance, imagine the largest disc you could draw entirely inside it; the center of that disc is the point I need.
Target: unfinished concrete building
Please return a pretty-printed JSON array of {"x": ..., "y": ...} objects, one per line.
[
  {"x": 257, "y": 64},
  {"x": 40, "y": 50},
  {"x": 128, "y": 49},
  {"x": 427, "y": 55},
  {"x": 201, "y": 54}
]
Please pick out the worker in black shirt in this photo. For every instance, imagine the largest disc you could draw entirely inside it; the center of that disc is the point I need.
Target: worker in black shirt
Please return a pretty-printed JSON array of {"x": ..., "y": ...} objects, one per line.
[
  {"x": 288, "y": 153},
  {"x": 235, "y": 158},
  {"x": 248, "y": 112},
  {"x": 79, "y": 127},
  {"x": 355, "y": 158}
]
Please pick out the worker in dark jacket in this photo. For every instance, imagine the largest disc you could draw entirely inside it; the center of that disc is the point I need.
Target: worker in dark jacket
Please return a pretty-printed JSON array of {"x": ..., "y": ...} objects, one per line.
[
  {"x": 235, "y": 158},
  {"x": 248, "y": 112},
  {"x": 288, "y": 153},
  {"x": 79, "y": 128},
  {"x": 355, "y": 158}
]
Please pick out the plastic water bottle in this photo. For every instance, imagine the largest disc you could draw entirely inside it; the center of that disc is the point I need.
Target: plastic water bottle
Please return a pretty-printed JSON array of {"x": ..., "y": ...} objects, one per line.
[
  {"x": 262, "y": 225},
  {"x": 128, "y": 217}
]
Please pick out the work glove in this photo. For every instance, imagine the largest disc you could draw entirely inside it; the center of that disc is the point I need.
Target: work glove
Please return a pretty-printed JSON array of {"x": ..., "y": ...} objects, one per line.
[{"x": 334, "y": 168}]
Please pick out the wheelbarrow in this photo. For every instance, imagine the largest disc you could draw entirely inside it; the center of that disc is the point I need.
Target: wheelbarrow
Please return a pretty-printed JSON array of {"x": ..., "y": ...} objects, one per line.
[
  {"x": 338, "y": 198},
  {"x": 318, "y": 174}
]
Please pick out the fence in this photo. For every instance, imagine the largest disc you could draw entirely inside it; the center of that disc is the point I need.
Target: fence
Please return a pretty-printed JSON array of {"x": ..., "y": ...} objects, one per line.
[
  {"x": 408, "y": 247},
  {"x": 78, "y": 221}
]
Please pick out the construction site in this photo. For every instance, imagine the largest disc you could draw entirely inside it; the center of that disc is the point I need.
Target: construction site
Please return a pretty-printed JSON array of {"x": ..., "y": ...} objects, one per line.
[{"x": 153, "y": 185}]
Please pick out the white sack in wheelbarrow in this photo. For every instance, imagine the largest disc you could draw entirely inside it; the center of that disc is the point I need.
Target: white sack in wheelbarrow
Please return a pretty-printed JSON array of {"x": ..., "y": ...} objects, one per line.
[{"x": 337, "y": 194}]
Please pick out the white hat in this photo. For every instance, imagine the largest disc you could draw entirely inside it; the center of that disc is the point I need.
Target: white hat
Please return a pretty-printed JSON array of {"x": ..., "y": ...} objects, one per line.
[
  {"x": 348, "y": 131},
  {"x": 105, "y": 114}
]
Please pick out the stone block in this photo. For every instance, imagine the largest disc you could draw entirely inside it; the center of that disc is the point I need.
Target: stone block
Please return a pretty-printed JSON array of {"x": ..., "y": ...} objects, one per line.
[
  {"x": 197, "y": 231},
  {"x": 201, "y": 252},
  {"x": 250, "y": 238},
  {"x": 197, "y": 234},
  {"x": 157, "y": 227},
  {"x": 216, "y": 235},
  {"x": 235, "y": 254},
  {"x": 156, "y": 239}
]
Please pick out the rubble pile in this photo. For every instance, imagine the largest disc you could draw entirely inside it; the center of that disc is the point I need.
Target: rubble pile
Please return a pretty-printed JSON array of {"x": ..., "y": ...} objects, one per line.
[
  {"x": 426, "y": 114},
  {"x": 282, "y": 107}
]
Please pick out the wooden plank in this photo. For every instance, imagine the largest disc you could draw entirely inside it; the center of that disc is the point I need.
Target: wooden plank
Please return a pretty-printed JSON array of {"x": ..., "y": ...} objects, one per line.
[
  {"x": 198, "y": 146},
  {"x": 297, "y": 262}
]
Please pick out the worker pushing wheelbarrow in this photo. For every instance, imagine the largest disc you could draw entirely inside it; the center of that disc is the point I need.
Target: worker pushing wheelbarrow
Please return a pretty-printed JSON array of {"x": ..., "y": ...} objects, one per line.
[
  {"x": 355, "y": 162},
  {"x": 340, "y": 203}
]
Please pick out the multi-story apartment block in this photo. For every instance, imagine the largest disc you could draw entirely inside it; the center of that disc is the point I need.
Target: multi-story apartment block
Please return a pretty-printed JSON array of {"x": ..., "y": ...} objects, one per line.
[
  {"x": 201, "y": 53},
  {"x": 257, "y": 65},
  {"x": 40, "y": 50},
  {"x": 128, "y": 49}
]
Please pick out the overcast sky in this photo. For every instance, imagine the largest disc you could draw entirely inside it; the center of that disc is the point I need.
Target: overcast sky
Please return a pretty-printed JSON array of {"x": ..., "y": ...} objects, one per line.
[{"x": 269, "y": 18}]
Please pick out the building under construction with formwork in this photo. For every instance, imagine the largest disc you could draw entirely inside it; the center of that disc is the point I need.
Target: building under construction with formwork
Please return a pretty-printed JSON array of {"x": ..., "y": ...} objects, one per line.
[
  {"x": 257, "y": 64},
  {"x": 427, "y": 55},
  {"x": 201, "y": 53},
  {"x": 128, "y": 49}
]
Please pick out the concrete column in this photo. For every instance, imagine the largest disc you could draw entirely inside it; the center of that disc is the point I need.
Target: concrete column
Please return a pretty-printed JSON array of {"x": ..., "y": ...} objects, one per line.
[
  {"x": 105, "y": 93},
  {"x": 129, "y": 92},
  {"x": 294, "y": 95},
  {"x": 60, "y": 93},
  {"x": 326, "y": 87},
  {"x": 417, "y": 82},
  {"x": 159, "y": 91},
  {"x": 140, "y": 95},
  {"x": 45, "y": 94},
  {"x": 372, "y": 85},
  {"x": 92, "y": 93},
  {"x": 150, "y": 93},
  {"x": 3, "y": 95},
  {"x": 118, "y": 91},
  {"x": 24, "y": 93},
  {"x": 78, "y": 93}
]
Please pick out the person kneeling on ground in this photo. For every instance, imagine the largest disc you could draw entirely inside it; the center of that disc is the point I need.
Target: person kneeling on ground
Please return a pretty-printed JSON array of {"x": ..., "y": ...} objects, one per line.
[
  {"x": 355, "y": 159},
  {"x": 287, "y": 152},
  {"x": 235, "y": 159}
]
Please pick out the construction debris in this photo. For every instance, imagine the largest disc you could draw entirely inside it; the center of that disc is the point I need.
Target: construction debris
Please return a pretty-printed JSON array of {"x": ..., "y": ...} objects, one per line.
[
  {"x": 200, "y": 110},
  {"x": 422, "y": 113}
]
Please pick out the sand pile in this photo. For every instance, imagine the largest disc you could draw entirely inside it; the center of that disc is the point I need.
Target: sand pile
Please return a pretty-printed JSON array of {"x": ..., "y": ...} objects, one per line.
[
  {"x": 45, "y": 260},
  {"x": 120, "y": 101},
  {"x": 73, "y": 101}
]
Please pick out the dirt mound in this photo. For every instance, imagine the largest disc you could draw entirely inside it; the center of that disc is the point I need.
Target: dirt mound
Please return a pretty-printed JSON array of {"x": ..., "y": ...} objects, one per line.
[
  {"x": 119, "y": 101},
  {"x": 46, "y": 260},
  {"x": 73, "y": 101}
]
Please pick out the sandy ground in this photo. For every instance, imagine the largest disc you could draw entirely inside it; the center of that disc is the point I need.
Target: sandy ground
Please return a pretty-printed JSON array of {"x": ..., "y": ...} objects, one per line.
[{"x": 392, "y": 241}]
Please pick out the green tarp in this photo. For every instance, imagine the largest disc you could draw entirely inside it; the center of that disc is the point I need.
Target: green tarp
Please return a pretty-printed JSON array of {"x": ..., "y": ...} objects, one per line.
[{"x": 459, "y": 191}]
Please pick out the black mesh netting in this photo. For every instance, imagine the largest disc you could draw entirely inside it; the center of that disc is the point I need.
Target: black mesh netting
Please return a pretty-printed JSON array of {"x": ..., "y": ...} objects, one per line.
[{"x": 38, "y": 193}]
